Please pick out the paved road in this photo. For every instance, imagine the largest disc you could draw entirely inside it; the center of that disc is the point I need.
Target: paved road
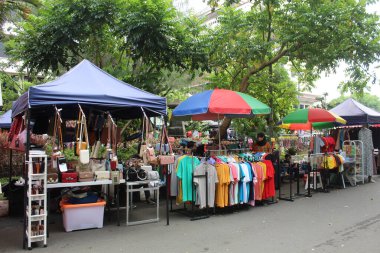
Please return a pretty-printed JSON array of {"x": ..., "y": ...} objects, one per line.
[{"x": 341, "y": 221}]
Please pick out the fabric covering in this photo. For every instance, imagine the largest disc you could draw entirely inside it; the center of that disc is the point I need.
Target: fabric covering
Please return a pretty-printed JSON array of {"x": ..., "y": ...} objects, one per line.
[
  {"x": 6, "y": 120},
  {"x": 356, "y": 113},
  {"x": 88, "y": 85}
]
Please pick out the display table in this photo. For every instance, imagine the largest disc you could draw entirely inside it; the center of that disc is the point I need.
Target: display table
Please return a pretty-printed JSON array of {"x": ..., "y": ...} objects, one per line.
[
  {"x": 80, "y": 184},
  {"x": 151, "y": 185}
]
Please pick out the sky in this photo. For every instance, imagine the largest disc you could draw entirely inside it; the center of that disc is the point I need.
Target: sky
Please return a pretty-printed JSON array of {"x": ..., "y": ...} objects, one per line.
[{"x": 328, "y": 82}]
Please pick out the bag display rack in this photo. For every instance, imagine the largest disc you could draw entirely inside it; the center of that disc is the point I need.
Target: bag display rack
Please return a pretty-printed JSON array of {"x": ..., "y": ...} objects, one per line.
[{"x": 36, "y": 208}]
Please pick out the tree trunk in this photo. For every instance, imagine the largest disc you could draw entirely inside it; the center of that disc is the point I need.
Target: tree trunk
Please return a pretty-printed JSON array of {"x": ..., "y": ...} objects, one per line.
[{"x": 223, "y": 128}]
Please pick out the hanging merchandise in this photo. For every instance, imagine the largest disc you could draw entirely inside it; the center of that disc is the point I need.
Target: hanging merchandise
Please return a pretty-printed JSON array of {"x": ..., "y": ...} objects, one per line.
[
  {"x": 231, "y": 180},
  {"x": 112, "y": 135},
  {"x": 209, "y": 174},
  {"x": 149, "y": 155},
  {"x": 82, "y": 149},
  {"x": 57, "y": 131},
  {"x": 165, "y": 159},
  {"x": 18, "y": 134},
  {"x": 185, "y": 168},
  {"x": 365, "y": 135}
]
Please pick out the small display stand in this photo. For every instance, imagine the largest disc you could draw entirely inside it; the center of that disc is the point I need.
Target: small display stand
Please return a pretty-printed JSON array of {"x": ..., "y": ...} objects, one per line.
[
  {"x": 36, "y": 209},
  {"x": 354, "y": 161},
  {"x": 151, "y": 185}
]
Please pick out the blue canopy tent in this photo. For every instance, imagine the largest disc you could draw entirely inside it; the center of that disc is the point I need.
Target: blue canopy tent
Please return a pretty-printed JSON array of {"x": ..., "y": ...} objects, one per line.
[
  {"x": 91, "y": 87},
  {"x": 6, "y": 120},
  {"x": 356, "y": 113},
  {"x": 94, "y": 90}
]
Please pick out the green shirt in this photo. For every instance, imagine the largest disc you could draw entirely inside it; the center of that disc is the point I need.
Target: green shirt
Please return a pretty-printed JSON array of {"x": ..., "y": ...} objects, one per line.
[{"x": 185, "y": 170}]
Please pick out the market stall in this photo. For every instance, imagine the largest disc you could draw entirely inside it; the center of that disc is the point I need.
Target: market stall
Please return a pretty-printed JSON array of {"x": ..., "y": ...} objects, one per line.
[
  {"x": 223, "y": 179},
  {"x": 359, "y": 118},
  {"x": 86, "y": 98},
  {"x": 309, "y": 119}
]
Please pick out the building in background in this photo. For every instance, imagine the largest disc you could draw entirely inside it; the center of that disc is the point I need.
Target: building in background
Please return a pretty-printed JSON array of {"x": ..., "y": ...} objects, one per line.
[{"x": 307, "y": 100}]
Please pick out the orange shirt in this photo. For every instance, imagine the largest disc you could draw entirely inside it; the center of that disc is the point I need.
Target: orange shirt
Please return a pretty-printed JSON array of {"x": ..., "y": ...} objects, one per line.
[{"x": 221, "y": 195}]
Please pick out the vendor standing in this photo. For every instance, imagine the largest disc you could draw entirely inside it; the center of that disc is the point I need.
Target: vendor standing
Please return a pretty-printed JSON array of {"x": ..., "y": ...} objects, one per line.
[{"x": 261, "y": 144}]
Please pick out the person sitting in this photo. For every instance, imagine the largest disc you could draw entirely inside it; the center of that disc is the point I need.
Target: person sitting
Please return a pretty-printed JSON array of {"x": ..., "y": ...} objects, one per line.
[{"x": 261, "y": 144}]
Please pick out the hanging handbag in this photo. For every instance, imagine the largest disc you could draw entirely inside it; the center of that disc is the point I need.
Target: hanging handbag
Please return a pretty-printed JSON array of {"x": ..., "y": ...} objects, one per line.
[
  {"x": 57, "y": 131},
  {"x": 166, "y": 159},
  {"x": 80, "y": 144},
  {"x": 151, "y": 156},
  {"x": 19, "y": 138},
  {"x": 146, "y": 151},
  {"x": 143, "y": 145}
]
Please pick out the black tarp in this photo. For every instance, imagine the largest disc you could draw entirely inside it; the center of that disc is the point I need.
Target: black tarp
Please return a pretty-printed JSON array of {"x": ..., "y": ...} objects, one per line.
[{"x": 356, "y": 113}]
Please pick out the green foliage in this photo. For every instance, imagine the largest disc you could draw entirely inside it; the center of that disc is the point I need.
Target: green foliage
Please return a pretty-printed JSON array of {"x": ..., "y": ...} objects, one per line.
[
  {"x": 63, "y": 32},
  {"x": 136, "y": 41},
  {"x": 5, "y": 180},
  {"x": 125, "y": 153},
  {"x": 12, "y": 88},
  {"x": 367, "y": 99},
  {"x": 314, "y": 36},
  {"x": 14, "y": 10}
]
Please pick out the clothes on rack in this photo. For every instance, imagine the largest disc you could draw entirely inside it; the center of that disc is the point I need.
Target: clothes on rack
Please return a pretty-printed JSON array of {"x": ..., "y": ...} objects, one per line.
[
  {"x": 200, "y": 183},
  {"x": 232, "y": 180},
  {"x": 365, "y": 135},
  {"x": 186, "y": 166},
  {"x": 223, "y": 172}
]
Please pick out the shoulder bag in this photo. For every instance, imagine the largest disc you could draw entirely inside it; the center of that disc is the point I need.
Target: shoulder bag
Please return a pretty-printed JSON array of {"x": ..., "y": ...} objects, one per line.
[{"x": 165, "y": 159}]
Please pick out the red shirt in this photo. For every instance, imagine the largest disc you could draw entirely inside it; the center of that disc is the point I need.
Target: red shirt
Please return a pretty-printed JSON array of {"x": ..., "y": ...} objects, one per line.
[{"x": 269, "y": 187}]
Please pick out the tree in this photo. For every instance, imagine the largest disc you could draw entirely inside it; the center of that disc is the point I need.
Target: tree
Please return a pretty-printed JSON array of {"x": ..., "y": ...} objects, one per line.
[
  {"x": 367, "y": 99},
  {"x": 13, "y": 10},
  {"x": 11, "y": 89},
  {"x": 134, "y": 40},
  {"x": 313, "y": 36}
]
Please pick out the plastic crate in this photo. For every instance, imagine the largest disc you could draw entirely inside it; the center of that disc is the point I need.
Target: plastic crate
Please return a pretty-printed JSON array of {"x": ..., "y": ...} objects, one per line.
[{"x": 82, "y": 216}]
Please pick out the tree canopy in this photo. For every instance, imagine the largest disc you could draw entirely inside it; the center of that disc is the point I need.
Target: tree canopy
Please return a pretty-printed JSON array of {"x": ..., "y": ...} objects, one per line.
[
  {"x": 134, "y": 40},
  {"x": 308, "y": 36},
  {"x": 15, "y": 10}
]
